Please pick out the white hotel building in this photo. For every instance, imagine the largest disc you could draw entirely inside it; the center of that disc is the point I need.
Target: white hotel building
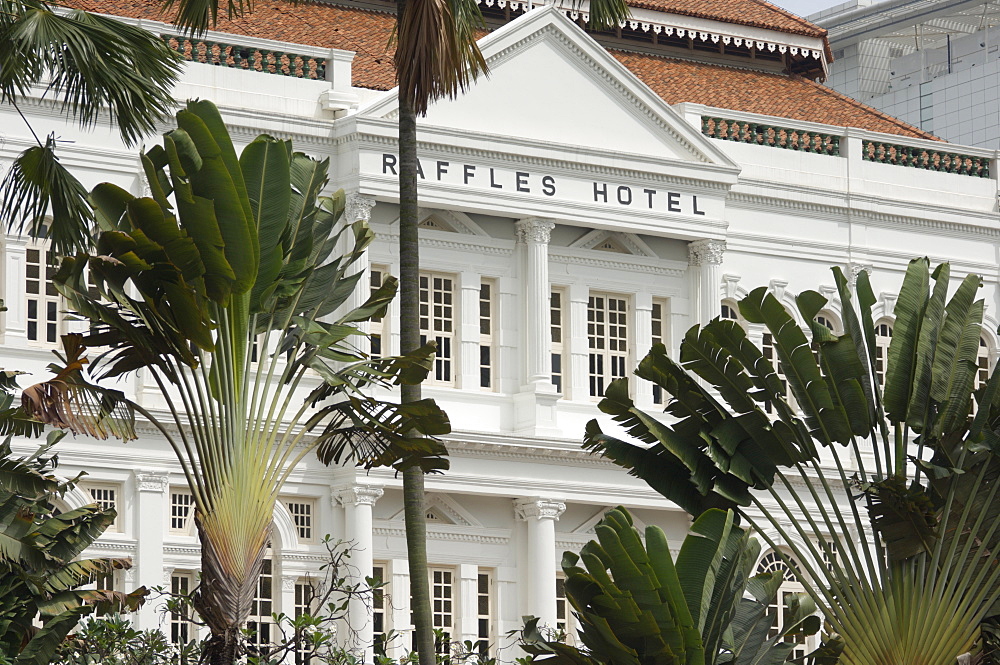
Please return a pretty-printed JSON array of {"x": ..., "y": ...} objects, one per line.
[{"x": 586, "y": 200}]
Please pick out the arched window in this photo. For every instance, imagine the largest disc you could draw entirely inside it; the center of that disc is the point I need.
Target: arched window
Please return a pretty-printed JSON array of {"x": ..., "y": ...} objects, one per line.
[
  {"x": 730, "y": 311},
  {"x": 771, "y": 353},
  {"x": 883, "y": 337},
  {"x": 828, "y": 321},
  {"x": 778, "y": 609}
]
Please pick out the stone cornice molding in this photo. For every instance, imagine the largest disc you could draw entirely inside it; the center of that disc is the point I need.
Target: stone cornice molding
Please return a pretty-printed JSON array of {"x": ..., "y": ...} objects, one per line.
[
  {"x": 706, "y": 252},
  {"x": 857, "y": 214},
  {"x": 541, "y": 509},
  {"x": 461, "y": 534},
  {"x": 359, "y": 494},
  {"x": 358, "y": 207},
  {"x": 449, "y": 243},
  {"x": 619, "y": 262},
  {"x": 149, "y": 480},
  {"x": 534, "y": 230}
]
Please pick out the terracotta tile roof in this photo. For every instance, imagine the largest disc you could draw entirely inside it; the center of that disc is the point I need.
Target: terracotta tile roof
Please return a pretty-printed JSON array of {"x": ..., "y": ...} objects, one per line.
[
  {"x": 758, "y": 13},
  {"x": 791, "y": 97},
  {"x": 367, "y": 33},
  {"x": 328, "y": 26}
]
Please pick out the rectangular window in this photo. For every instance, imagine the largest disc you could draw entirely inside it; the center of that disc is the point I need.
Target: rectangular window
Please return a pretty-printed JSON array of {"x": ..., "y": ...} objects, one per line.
[
  {"x": 484, "y": 612},
  {"x": 607, "y": 336},
  {"x": 182, "y": 629},
  {"x": 260, "y": 623},
  {"x": 106, "y": 498},
  {"x": 442, "y": 608},
  {"x": 557, "y": 326},
  {"x": 486, "y": 326},
  {"x": 377, "y": 324},
  {"x": 181, "y": 511},
  {"x": 379, "y": 628},
  {"x": 302, "y": 515},
  {"x": 437, "y": 322},
  {"x": 564, "y": 618},
  {"x": 659, "y": 337},
  {"x": 41, "y": 298},
  {"x": 305, "y": 600}
]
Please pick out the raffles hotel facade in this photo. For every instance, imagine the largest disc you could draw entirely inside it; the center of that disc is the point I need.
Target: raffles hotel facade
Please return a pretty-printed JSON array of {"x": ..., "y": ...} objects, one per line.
[{"x": 594, "y": 195}]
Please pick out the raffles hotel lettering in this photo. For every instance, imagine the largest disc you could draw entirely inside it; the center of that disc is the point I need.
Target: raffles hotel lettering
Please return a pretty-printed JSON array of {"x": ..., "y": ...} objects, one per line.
[{"x": 532, "y": 183}]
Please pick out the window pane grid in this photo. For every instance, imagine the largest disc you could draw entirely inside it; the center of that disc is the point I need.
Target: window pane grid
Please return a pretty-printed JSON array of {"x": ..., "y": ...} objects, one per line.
[
  {"x": 437, "y": 321},
  {"x": 607, "y": 336},
  {"x": 883, "y": 337},
  {"x": 181, "y": 510},
  {"x": 556, "y": 318},
  {"x": 658, "y": 337},
  {"x": 771, "y": 354},
  {"x": 442, "y": 607},
  {"x": 260, "y": 622},
  {"x": 305, "y": 598},
  {"x": 41, "y": 298},
  {"x": 376, "y": 325},
  {"x": 484, "y": 613},
  {"x": 486, "y": 326},
  {"x": 106, "y": 498},
  {"x": 302, "y": 517},
  {"x": 379, "y": 628},
  {"x": 181, "y": 626}
]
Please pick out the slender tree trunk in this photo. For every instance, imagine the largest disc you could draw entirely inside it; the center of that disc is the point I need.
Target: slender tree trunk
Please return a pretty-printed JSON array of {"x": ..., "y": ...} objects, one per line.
[{"x": 409, "y": 340}]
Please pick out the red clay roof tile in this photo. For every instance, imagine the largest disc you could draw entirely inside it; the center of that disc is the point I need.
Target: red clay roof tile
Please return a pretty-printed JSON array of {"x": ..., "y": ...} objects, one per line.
[
  {"x": 791, "y": 97},
  {"x": 367, "y": 33}
]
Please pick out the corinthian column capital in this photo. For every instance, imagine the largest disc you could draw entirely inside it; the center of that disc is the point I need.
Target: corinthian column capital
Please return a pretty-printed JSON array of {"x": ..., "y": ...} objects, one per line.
[
  {"x": 527, "y": 509},
  {"x": 358, "y": 495},
  {"x": 706, "y": 252},
  {"x": 358, "y": 207},
  {"x": 533, "y": 229}
]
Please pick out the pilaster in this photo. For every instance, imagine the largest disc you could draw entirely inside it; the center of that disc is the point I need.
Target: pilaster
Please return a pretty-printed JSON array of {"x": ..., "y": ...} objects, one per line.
[
  {"x": 150, "y": 528},
  {"x": 15, "y": 265},
  {"x": 643, "y": 390},
  {"x": 468, "y": 352},
  {"x": 705, "y": 256}
]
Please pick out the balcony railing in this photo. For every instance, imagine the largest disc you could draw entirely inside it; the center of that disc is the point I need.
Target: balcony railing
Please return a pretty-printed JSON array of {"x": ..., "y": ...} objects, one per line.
[
  {"x": 256, "y": 59},
  {"x": 925, "y": 158},
  {"x": 772, "y": 136}
]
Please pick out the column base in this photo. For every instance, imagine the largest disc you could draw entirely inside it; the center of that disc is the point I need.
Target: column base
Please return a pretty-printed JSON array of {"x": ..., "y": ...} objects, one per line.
[{"x": 535, "y": 410}]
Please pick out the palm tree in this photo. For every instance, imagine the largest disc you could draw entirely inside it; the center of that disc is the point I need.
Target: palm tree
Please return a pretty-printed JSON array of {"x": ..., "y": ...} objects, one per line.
[
  {"x": 910, "y": 537},
  {"x": 223, "y": 286},
  {"x": 95, "y": 65}
]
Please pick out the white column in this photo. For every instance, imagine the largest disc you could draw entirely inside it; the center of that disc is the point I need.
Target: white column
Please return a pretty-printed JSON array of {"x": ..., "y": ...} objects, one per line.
[
  {"x": 357, "y": 208},
  {"x": 468, "y": 330},
  {"x": 150, "y": 528},
  {"x": 358, "y": 500},
  {"x": 643, "y": 342},
  {"x": 14, "y": 275},
  {"x": 579, "y": 350},
  {"x": 706, "y": 257},
  {"x": 533, "y": 236},
  {"x": 398, "y": 605},
  {"x": 541, "y": 515}
]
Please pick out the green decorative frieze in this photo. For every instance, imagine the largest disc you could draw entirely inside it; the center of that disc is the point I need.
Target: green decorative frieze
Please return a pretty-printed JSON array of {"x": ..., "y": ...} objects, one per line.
[
  {"x": 247, "y": 57},
  {"x": 772, "y": 136},
  {"x": 925, "y": 158}
]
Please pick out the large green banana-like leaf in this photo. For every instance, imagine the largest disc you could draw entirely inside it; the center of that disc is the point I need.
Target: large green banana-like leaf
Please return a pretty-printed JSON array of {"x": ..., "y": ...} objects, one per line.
[
  {"x": 636, "y": 605},
  {"x": 224, "y": 284},
  {"x": 917, "y": 576}
]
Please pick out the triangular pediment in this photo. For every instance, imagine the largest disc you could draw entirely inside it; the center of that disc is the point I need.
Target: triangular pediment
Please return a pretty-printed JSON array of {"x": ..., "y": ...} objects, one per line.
[
  {"x": 614, "y": 242},
  {"x": 550, "y": 82}
]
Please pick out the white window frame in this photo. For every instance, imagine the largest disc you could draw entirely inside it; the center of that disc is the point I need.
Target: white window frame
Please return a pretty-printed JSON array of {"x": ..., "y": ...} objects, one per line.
[
  {"x": 882, "y": 343},
  {"x": 378, "y": 326},
  {"x": 104, "y": 503},
  {"x": 182, "y": 581},
  {"x": 485, "y": 612},
  {"x": 565, "y": 620},
  {"x": 487, "y": 337},
  {"x": 381, "y": 613},
  {"x": 558, "y": 354},
  {"x": 444, "y": 586},
  {"x": 305, "y": 603},
  {"x": 607, "y": 327},
  {"x": 47, "y": 302},
  {"x": 659, "y": 317},
  {"x": 181, "y": 498},
  {"x": 441, "y": 315},
  {"x": 303, "y": 514},
  {"x": 265, "y": 602},
  {"x": 772, "y": 562},
  {"x": 730, "y": 311}
]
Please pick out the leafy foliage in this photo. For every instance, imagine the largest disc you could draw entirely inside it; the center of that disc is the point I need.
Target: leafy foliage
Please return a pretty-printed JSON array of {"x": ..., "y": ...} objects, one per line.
[
  {"x": 636, "y": 603},
  {"x": 225, "y": 286},
  {"x": 40, "y": 573},
  {"x": 916, "y": 527},
  {"x": 94, "y": 65}
]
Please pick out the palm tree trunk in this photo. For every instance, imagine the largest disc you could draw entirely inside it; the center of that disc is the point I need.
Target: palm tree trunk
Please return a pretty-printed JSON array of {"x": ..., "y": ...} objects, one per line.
[{"x": 409, "y": 340}]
